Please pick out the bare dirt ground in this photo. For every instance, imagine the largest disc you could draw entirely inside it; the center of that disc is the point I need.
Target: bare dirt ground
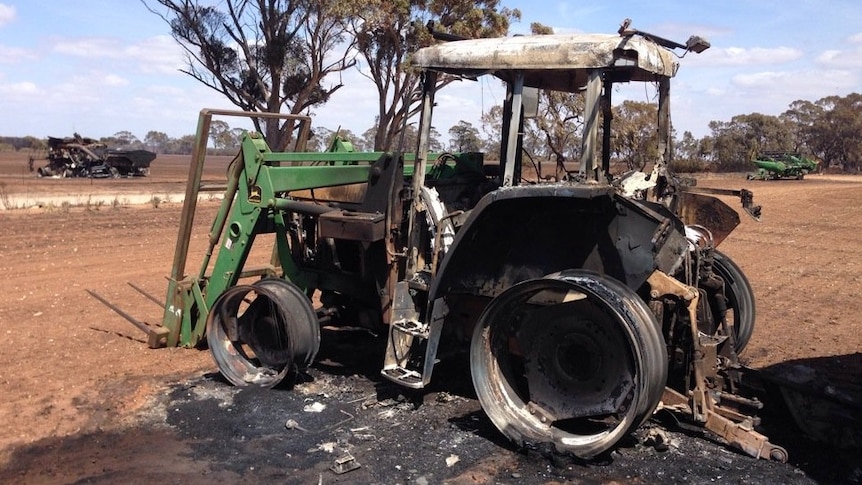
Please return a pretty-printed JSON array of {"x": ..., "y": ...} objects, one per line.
[{"x": 85, "y": 401}]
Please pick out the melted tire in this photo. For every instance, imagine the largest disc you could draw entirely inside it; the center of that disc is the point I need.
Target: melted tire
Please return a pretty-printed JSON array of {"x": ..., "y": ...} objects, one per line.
[
  {"x": 575, "y": 360},
  {"x": 304, "y": 327}
]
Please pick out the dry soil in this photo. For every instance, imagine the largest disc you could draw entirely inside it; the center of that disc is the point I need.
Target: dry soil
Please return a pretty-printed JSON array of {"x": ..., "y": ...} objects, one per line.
[{"x": 85, "y": 400}]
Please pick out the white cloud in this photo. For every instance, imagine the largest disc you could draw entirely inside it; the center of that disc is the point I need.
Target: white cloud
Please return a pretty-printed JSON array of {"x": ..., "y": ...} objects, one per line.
[
  {"x": 842, "y": 59},
  {"x": 144, "y": 103},
  {"x": 855, "y": 38},
  {"x": 707, "y": 97},
  {"x": 90, "y": 47},
  {"x": 14, "y": 55},
  {"x": 566, "y": 30},
  {"x": 164, "y": 90},
  {"x": 7, "y": 14},
  {"x": 77, "y": 91},
  {"x": 352, "y": 107},
  {"x": 760, "y": 79},
  {"x": 805, "y": 84},
  {"x": 18, "y": 90},
  {"x": 159, "y": 54},
  {"x": 739, "y": 56},
  {"x": 114, "y": 80}
]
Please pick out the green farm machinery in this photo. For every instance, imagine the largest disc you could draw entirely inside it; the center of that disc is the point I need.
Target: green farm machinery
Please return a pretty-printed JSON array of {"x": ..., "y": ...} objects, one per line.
[
  {"x": 782, "y": 165},
  {"x": 583, "y": 303}
]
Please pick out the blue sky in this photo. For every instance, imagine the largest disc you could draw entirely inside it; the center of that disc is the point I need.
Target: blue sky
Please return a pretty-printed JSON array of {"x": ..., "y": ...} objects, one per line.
[{"x": 101, "y": 66}]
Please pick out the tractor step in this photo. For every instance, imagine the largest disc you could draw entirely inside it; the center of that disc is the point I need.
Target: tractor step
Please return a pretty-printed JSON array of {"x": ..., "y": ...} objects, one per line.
[
  {"x": 411, "y": 327},
  {"x": 411, "y": 350},
  {"x": 404, "y": 377}
]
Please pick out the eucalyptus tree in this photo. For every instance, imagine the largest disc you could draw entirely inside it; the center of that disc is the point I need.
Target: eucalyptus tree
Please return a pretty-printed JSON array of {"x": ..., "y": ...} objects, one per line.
[
  {"x": 263, "y": 55},
  {"x": 389, "y": 31}
]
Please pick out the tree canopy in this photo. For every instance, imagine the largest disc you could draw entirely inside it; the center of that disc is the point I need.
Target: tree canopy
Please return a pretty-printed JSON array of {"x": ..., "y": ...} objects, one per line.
[
  {"x": 387, "y": 32},
  {"x": 829, "y": 129},
  {"x": 263, "y": 55}
]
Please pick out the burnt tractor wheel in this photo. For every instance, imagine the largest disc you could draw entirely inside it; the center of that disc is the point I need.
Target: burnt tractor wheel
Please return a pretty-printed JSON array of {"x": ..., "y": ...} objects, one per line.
[
  {"x": 740, "y": 299},
  {"x": 259, "y": 333},
  {"x": 575, "y": 360}
]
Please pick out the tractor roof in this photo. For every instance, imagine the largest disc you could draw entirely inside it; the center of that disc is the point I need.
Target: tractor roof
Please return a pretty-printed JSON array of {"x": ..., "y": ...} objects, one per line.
[{"x": 557, "y": 62}]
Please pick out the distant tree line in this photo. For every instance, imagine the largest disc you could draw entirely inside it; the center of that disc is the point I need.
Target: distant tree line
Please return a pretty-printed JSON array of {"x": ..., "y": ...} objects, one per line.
[{"x": 829, "y": 130}]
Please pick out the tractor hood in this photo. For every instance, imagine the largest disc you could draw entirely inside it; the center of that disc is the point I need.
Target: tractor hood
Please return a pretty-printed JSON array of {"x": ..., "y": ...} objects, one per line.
[{"x": 557, "y": 62}]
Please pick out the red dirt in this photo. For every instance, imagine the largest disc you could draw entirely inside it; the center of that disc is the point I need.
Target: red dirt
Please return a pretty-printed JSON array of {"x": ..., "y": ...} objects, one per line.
[{"x": 71, "y": 366}]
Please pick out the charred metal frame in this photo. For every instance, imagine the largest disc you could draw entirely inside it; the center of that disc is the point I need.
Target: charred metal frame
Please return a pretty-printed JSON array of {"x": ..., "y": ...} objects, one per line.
[{"x": 625, "y": 246}]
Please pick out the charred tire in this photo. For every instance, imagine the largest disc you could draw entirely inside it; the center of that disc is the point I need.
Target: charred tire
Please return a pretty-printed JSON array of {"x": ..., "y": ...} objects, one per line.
[
  {"x": 740, "y": 298},
  {"x": 575, "y": 360},
  {"x": 258, "y": 334},
  {"x": 304, "y": 327}
]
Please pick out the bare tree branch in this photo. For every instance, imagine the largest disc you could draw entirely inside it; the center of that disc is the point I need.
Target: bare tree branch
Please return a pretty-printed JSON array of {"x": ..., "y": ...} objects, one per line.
[{"x": 262, "y": 55}]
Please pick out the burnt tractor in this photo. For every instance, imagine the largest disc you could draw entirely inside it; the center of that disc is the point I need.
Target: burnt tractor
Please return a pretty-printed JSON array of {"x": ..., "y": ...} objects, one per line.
[
  {"x": 584, "y": 303},
  {"x": 79, "y": 156}
]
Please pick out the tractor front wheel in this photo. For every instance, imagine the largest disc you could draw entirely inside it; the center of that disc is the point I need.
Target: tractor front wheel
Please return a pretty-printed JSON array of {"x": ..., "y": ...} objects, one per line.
[{"x": 258, "y": 333}]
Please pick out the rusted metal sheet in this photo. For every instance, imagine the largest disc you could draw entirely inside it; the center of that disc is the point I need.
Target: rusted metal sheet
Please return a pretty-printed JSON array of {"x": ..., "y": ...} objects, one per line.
[
  {"x": 551, "y": 61},
  {"x": 707, "y": 211},
  {"x": 355, "y": 226}
]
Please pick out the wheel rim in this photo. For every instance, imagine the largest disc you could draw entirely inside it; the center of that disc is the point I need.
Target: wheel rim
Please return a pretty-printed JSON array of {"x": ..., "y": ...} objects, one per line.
[
  {"x": 740, "y": 299},
  {"x": 573, "y": 359},
  {"x": 258, "y": 333}
]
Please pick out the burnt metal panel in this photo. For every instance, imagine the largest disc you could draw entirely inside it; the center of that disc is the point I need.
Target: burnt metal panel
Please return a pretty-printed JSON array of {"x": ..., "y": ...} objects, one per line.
[
  {"x": 710, "y": 212},
  {"x": 356, "y": 226},
  {"x": 527, "y": 232},
  {"x": 559, "y": 62}
]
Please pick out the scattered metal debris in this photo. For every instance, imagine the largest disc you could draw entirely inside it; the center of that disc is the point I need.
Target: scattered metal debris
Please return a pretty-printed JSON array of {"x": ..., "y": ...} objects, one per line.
[
  {"x": 658, "y": 439},
  {"x": 292, "y": 424},
  {"x": 344, "y": 464}
]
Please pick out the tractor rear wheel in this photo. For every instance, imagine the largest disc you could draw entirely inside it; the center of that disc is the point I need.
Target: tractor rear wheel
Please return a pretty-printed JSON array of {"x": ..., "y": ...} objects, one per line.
[
  {"x": 740, "y": 299},
  {"x": 259, "y": 333},
  {"x": 575, "y": 360}
]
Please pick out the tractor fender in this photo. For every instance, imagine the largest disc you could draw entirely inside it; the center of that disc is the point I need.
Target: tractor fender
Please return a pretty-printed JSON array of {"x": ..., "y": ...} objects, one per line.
[{"x": 519, "y": 233}]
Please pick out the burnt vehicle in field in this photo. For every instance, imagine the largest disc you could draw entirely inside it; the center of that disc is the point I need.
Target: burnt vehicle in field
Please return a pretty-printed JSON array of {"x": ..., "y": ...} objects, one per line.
[
  {"x": 79, "y": 156},
  {"x": 584, "y": 304}
]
